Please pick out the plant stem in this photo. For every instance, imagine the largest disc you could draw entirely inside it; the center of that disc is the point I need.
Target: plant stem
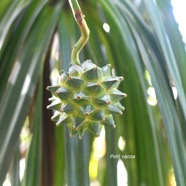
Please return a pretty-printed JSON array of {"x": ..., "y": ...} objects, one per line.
[{"x": 79, "y": 17}]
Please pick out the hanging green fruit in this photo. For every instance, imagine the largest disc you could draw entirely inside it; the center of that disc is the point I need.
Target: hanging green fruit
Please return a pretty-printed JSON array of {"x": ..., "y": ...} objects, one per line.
[{"x": 87, "y": 95}]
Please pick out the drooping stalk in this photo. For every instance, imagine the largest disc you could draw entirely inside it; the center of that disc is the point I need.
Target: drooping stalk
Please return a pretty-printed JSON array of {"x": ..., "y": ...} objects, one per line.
[
  {"x": 77, "y": 172},
  {"x": 79, "y": 17}
]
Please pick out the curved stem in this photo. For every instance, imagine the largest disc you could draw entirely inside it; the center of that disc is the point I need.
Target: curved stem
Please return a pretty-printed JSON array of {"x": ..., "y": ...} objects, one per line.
[{"x": 79, "y": 17}]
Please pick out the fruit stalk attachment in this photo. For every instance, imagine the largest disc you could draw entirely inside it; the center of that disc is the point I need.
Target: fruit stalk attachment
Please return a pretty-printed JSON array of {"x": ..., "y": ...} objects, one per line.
[
  {"x": 86, "y": 96},
  {"x": 79, "y": 17}
]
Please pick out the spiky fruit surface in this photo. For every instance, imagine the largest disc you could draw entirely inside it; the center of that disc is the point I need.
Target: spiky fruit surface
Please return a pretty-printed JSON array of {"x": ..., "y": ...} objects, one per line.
[{"x": 86, "y": 97}]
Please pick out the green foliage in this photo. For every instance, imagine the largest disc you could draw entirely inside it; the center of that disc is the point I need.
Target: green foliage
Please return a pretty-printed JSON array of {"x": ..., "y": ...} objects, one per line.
[{"x": 142, "y": 46}]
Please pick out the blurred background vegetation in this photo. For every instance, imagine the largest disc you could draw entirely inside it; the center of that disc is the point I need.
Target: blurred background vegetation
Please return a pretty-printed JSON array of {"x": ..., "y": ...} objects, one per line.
[{"x": 141, "y": 40}]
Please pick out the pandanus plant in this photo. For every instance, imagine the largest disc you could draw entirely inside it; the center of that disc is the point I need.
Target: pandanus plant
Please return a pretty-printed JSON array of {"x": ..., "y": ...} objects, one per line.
[{"x": 87, "y": 95}]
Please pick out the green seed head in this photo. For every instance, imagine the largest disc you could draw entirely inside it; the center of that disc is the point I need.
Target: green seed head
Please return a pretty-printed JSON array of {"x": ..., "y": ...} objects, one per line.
[{"x": 85, "y": 98}]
